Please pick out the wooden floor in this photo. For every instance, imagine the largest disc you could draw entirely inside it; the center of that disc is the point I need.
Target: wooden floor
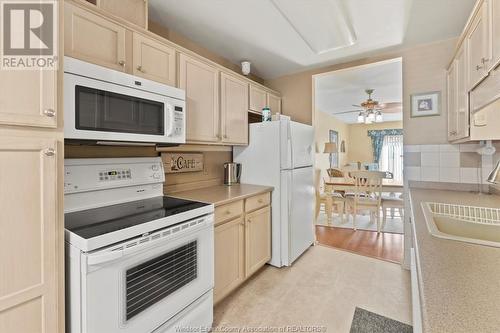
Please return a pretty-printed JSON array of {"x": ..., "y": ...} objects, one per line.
[{"x": 385, "y": 246}]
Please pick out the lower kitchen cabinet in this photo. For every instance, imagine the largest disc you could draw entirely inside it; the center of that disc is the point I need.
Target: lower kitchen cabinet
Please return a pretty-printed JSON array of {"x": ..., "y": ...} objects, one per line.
[
  {"x": 229, "y": 257},
  {"x": 30, "y": 240},
  {"x": 257, "y": 239},
  {"x": 242, "y": 243}
]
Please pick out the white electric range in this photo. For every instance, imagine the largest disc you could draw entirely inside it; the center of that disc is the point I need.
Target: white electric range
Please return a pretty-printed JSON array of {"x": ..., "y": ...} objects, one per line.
[{"x": 136, "y": 261}]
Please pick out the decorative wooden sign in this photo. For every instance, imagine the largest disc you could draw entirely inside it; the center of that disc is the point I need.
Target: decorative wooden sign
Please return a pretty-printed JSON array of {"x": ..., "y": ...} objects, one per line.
[{"x": 182, "y": 162}]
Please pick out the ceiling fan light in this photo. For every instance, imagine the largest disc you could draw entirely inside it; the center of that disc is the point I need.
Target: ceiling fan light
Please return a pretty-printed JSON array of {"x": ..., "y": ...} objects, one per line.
[
  {"x": 378, "y": 117},
  {"x": 361, "y": 118},
  {"x": 371, "y": 116},
  {"x": 368, "y": 120}
]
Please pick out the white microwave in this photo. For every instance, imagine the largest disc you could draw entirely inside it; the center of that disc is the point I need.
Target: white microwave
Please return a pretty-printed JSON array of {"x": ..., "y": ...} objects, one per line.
[{"x": 110, "y": 107}]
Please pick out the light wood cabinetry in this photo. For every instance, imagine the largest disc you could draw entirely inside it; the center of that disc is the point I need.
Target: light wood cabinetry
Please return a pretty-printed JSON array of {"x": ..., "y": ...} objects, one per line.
[
  {"x": 494, "y": 11},
  {"x": 234, "y": 109},
  {"x": 94, "y": 39},
  {"x": 257, "y": 98},
  {"x": 229, "y": 257},
  {"x": 257, "y": 240},
  {"x": 217, "y": 100},
  {"x": 274, "y": 103},
  {"x": 452, "y": 101},
  {"x": 28, "y": 241},
  {"x": 462, "y": 95},
  {"x": 153, "y": 60},
  {"x": 201, "y": 83},
  {"x": 242, "y": 241},
  {"x": 28, "y": 98},
  {"x": 134, "y": 11},
  {"x": 477, "y": 46}
]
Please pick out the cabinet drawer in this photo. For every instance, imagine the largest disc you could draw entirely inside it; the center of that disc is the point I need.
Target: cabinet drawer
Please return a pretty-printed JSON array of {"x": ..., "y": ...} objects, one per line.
[
  {"x": 257, "y": 202},
  {"x": 229, "y": 211}
]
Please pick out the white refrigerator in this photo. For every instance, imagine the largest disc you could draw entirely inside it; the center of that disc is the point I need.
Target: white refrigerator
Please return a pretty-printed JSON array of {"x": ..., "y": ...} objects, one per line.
[{"x": 280, "y": 154}]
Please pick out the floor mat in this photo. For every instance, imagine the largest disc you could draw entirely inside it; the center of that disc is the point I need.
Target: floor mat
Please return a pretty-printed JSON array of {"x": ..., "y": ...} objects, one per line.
[{"x": 365, "y": 321}]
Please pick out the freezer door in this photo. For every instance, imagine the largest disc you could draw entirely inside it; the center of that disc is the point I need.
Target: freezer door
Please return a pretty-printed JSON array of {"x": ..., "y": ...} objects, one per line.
[
  {"x": 297, "y": 203},
  {"x": 301, "y": 137}
]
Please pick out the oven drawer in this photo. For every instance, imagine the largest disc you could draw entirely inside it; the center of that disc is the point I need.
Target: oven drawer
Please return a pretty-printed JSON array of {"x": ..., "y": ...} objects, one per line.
[
  {"x": 228, "y": 211},
  {"x": 257, "y": 202},
  {"x": 147, "y": 285}
]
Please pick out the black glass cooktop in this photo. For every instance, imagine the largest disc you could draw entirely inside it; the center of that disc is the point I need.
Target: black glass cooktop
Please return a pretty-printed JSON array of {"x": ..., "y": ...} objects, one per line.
[{"x": 98, "y": 221}]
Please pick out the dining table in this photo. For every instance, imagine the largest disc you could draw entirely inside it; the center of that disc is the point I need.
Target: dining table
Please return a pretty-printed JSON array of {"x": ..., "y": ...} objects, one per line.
[
  {"x": 344, "y": 184},
  {"x": 333, "y": 184}
]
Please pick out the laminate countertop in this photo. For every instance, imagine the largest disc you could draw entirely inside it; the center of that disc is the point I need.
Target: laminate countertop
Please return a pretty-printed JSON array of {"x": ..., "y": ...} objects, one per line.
[
  {"x": 222, "y": 194},
  {"x": 459, "y": 282}
]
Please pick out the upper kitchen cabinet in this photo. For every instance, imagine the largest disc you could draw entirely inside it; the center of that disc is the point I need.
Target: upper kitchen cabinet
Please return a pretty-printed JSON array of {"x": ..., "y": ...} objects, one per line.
[
  {"x": 274, "y": 103},
  {"x": 234, "y": 109},
  {"x": 28, "y": 98},
  {"x": 458, "y": 97},
  {"x": 478, "y": 46},
  {"x": 495, "y": 32},
  {"x": 451, "y": 82},
  {"x": 134, "y": 11},
  {"x": 257, "y": 98},
  {"x": 201, "y": 83},
  {"x": 92, "y": 38},
  {"x": 153, "y": 60},
  {"x": 462, "y": 95}
]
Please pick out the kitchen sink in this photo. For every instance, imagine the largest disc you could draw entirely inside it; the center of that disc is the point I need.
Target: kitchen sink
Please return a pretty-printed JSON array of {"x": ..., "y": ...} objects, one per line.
[{"x": 477, "y": 225}]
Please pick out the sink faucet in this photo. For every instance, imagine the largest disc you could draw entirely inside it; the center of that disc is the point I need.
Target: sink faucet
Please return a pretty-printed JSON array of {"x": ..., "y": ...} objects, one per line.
[{"x": 494, "y": 176}]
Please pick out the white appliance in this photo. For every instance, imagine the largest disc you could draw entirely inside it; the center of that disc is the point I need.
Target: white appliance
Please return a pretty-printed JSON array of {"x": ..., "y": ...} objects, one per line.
[
  {"x": 280, "y": 154},
  {"x": 136, "y": 261},
  {"x": 106, "y": 106}
]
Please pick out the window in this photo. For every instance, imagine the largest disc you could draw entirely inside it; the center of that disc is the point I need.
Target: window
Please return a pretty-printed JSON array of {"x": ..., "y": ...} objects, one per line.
[{"x": 391, "y": 158}]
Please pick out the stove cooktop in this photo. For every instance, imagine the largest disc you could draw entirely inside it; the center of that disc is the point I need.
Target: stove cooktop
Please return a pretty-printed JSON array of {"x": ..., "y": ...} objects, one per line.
[{"x": 99, "y": 221}]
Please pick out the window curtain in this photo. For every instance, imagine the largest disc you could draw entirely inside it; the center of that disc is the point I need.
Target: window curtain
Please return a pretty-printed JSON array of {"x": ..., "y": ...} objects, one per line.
[
  {"x": 391, "y": 157},
  {"x": 377, "y": 137}
]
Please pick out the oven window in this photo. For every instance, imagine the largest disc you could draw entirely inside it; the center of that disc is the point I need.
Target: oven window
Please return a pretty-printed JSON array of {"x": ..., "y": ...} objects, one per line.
[
  {"x": 152, "y": 281},
  {"x": 99, "y": 110}
]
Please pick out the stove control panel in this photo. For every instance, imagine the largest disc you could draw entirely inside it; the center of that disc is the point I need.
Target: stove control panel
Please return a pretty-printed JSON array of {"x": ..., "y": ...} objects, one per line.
[
  {"x": 82, "y": 175},
  {"x": 115, "y": 174}
]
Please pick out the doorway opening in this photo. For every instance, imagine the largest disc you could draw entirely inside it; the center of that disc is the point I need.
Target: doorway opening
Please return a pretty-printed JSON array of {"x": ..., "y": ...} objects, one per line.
[{"x": 358, "y": 122}]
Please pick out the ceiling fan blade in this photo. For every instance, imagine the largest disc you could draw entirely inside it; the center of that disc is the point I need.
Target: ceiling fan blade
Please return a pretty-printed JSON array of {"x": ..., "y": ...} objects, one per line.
[
  {"x": 390, "y": 105},
  {"x": 351, "y": 111},
  {"x": 357, "y": 106}
]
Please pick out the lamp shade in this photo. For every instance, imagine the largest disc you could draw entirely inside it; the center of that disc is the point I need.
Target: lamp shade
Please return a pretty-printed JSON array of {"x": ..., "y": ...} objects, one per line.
[{"x": 330, "y": 147}]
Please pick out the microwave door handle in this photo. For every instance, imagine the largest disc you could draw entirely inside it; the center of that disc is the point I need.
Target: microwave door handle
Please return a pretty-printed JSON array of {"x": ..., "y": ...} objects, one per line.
[
  {"x": 101, "y": 258},
  {"x": 170, "y": 117}
]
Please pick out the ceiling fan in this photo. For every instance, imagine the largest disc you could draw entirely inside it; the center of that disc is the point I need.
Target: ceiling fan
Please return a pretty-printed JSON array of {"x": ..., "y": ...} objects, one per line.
[{"x": 371, "y": 110}]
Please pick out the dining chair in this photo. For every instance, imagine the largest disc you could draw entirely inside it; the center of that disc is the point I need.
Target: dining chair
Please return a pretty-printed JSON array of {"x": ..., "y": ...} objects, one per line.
[
  {"x": 392, "y": 202},
  {"x": 367, "y": 194},
  {"x": 327, "y": 198}
]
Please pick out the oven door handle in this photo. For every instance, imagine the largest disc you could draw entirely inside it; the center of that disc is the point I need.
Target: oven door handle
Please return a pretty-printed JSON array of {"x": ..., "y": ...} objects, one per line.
[{"x": 100, "y": 258}]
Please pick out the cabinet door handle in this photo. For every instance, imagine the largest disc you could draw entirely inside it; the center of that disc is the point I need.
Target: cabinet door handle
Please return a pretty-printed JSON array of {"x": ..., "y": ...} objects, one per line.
[
  {"x": 49, "y": 112},
  {"x": 478, "y": 67},
  {"x": 228, "y": 212},
  {"x": 453, "y": 133},
  {"x": 484, "y": 60},
  {"x": 49, "y": 152},
  {"x": 139, "y": 68},
  {"x": 121, "y": 63},
  {"x": 260, "y": 201}
]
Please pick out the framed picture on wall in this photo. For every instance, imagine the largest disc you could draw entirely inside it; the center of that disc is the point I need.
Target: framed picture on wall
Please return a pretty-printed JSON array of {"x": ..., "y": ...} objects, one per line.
[
  {"x": 334, "y": 157},
  {"x": 426, "y": 104}
]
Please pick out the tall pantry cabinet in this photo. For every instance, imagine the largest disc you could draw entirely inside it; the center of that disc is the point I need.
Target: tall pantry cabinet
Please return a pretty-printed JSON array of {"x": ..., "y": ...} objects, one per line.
[{"x": 31, "y": 212}]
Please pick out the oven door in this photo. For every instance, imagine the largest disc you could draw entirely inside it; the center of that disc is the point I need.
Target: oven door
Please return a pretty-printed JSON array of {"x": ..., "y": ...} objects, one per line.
[
  {"x": 103, "y": 111},
  {"x": 142, "y": 286}
]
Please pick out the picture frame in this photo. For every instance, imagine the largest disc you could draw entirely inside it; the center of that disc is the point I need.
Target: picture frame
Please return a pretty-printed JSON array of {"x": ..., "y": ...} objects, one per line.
[{"x": 425, "y": 104}]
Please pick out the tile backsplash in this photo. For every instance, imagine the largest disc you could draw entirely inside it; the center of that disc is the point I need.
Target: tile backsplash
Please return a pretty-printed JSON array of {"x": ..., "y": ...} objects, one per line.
[{"x": 447, "y": 163}]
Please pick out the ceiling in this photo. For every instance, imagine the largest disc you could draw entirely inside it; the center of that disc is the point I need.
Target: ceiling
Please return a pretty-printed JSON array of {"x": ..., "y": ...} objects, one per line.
[
  {"x": 336, "y": 91},
  {"x": 284, "y": 36}
]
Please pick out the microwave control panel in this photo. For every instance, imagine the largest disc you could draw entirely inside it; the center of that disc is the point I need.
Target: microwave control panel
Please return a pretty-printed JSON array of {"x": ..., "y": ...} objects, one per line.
[{"x": 177, "y": 121}]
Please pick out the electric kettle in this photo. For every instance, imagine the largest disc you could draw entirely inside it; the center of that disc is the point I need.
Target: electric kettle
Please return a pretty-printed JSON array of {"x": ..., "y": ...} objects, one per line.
[{"x": 232, "y": 173}]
